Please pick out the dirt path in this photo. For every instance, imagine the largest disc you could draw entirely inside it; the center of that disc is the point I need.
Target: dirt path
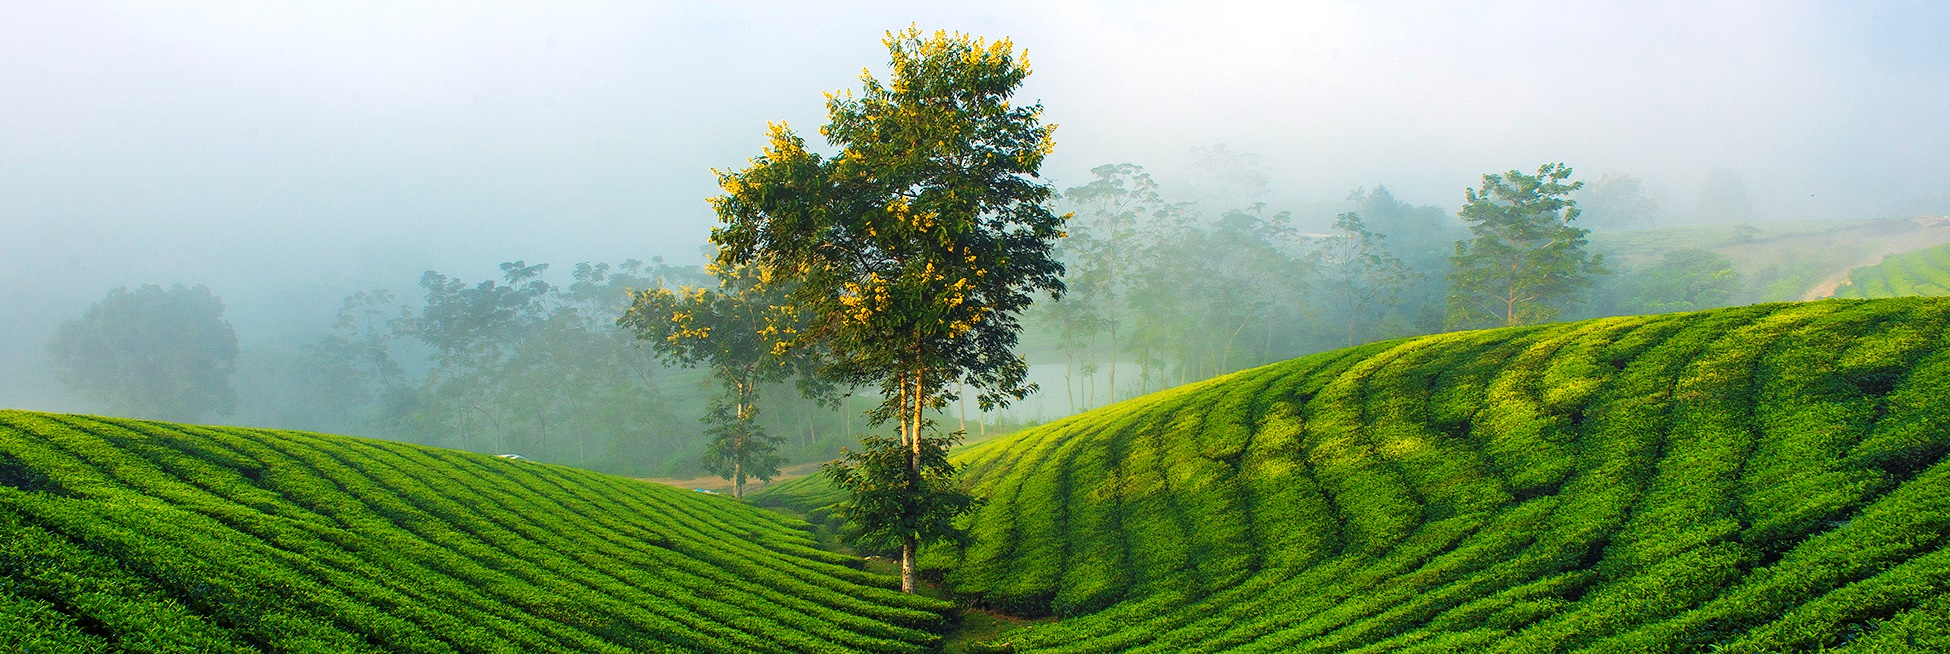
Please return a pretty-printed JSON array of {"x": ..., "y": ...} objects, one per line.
[
  {"x": 1935, "y": 231},
  {"x": 720, "y": 485}
]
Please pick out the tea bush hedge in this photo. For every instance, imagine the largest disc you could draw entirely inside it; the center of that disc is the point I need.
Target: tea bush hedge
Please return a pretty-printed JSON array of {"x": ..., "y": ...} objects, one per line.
[
  {"x": 127, "y": 535},
  {"x": 1752, "y": 479},
  {"x": 1920, "y": 272}
]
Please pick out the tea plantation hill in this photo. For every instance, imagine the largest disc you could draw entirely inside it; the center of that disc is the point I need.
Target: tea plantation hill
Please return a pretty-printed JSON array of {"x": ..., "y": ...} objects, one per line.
[
  {"x": 124, "y": 535},
  {"x": 1920, "y": 272},
  {"x": 1754, "y": 479}
]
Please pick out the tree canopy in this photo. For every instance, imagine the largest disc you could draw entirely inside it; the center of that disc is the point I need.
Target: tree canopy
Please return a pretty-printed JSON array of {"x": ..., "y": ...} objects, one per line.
[
  {"x": 741, "y": 332},
  {"x": 1359, "y": 276},
  {"x": 151, "y": 352},
  {"x": 1525, "y": 260}
]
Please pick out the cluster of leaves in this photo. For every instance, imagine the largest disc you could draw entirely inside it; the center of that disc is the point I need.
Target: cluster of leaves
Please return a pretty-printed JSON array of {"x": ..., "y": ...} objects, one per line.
[
  {"x": 1690, "y": 279},
  {"x": 123, "y": 535},
  {"x": 1922, "y": 272},
  {"x": 882, "y": 491},
  {"x": 1525, "y": 260},
  {"x": 742, "y": 331},
  {"x": 1767, "y": 478}
]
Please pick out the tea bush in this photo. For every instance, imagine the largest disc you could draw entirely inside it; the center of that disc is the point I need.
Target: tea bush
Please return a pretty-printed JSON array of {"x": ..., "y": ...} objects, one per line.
[
  {"x": 125, "y": 535},
  {"x": 1752, "y": 479},
  {"x": 1920, "y": 272}
]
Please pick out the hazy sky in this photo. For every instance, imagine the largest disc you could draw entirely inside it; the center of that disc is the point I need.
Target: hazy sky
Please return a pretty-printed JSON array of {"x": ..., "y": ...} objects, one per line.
[{"x": 282, "y": 152}]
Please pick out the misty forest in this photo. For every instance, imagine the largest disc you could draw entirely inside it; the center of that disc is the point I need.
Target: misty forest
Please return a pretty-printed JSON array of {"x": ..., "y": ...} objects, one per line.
[{"x": 752, "y": 330}]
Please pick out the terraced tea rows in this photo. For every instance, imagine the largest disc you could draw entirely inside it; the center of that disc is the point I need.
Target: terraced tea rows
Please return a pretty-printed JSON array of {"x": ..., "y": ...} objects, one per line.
[
  {"x": 123, "y": 535},
  {"x": 1921, "y": 272},
  {"x": 1754, "y": 479}
]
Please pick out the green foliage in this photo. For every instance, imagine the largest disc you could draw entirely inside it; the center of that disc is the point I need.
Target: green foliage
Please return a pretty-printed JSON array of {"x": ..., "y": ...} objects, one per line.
[
  {"x": 1525, "y": 260},
  {"x": 151, "y": 352},
  {"x": 1359, "y": 276},
  {"x": 1216, "y": 293},
  {"x": 1423, "y": 237},
  {"x": 516, "y": 365},
  {"x": 1103, "y": 250},
  {"x": 1752, "y": 479},
  {"x": 741, "y": 331},
  {"x": 1683, "y": 280},
  {"x": 1921, "y": 272},
  {"x": 145, "y": 536},
  {"x": 1183, "y": 291},
  {"x": 917, "y": 247},
  {"x": 890, "y": 502}
]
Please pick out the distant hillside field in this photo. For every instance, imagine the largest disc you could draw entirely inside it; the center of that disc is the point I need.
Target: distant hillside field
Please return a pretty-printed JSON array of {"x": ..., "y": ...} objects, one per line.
[
  {"x": 1920, "y": 272},
  {"x": 1802, "y": 260},
  {"x": 1754, "y": 479},
  {"x": 125, "y": 535}
]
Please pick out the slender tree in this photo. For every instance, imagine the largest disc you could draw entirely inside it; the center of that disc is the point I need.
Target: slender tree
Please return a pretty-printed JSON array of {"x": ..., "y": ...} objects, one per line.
[
  {"x": 1525, "y": 259},
  {"x": 738, "y": 331},
  {"x": 1357, "y": 273},
  {"x": 1116, "y": 203},
  {"x": 916, "y": 248}
]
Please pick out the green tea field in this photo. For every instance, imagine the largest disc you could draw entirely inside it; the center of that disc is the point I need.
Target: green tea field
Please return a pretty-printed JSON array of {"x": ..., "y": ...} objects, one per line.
[
  {"x": 132, "y": 536},
  {"x": 1755, "y": 479},
  {"x": 1919, "y": 272}
]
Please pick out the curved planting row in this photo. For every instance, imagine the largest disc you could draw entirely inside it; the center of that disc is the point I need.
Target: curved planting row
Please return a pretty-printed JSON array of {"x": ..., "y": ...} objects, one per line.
[
  {"x": 1754, "y": 479},
  {"x": 124, "y": 535},
  {"x": 1922, "y": 272}
]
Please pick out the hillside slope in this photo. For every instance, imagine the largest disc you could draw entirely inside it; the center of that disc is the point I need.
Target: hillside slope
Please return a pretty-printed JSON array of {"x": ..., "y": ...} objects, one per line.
[
  {"x": 1755, "y": 479},
  {"x": 1918, "y": 272},
  {"x": 123, "y": 535}
]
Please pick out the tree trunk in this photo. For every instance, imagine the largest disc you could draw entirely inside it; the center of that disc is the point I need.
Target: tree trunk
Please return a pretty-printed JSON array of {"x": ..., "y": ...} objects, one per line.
[
  {"x": 1113, "y": 350},
  {"x": 914, "y": 443},
  {"x": 738, "y": 446},
  {"x": 907, "y": 564},
  {"x": 738, "y": 450},
  {"x": 910, "y": 542}
]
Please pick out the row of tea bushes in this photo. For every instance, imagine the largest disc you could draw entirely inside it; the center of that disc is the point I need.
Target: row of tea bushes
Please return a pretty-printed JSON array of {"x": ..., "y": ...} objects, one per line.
[
  {"x": 1752, "y": 479},
  {"x": 124, "y": 535},
  {"x": 1921, "y": 272}
]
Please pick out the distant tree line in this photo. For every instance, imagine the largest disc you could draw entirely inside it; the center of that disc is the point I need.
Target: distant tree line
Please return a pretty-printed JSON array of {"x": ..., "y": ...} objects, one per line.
[
  {"x": 520, "y": 365},
  {"x": 1173, "y": 289}
]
